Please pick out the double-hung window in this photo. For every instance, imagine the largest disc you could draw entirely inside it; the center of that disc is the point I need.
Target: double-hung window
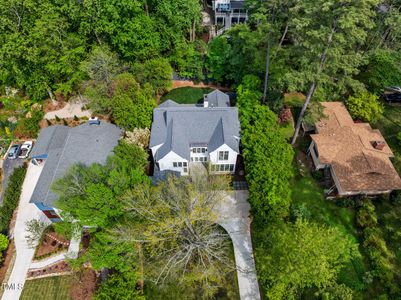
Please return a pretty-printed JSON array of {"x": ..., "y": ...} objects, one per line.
[{"x": 223, "y": 155}]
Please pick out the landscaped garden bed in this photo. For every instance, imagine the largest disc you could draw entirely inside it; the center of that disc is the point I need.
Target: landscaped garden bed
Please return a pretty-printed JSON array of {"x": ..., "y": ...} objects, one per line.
[
  {"x": 56, "y": 268},
  {"x": 50, "y": 244}
]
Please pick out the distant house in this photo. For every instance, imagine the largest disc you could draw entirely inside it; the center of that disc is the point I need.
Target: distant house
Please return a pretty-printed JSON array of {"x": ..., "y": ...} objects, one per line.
[
  {"x": 356, "y": 156},
  {"x": 60, "y": 147},
  {"x": 229, "y": 12},
  {"x": 188, "y": 134}
]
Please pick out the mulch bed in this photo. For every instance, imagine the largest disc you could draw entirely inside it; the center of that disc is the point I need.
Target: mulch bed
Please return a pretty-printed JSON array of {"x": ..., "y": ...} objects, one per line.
[
  {"x": 60, "y": 267},
  {"x": 84, "y": 285},
  {"x": 49, "y": 105},
  {"x": 51, "y": 243},
  {"x": 7, "y": 256}
]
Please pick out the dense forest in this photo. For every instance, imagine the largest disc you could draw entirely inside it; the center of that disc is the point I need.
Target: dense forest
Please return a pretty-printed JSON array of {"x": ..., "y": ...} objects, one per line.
[{"x": 121, "y": 55}]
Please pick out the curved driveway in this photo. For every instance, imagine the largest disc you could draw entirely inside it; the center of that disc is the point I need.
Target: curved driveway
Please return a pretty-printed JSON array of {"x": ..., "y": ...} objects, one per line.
[{"x": 234, "y": 218}]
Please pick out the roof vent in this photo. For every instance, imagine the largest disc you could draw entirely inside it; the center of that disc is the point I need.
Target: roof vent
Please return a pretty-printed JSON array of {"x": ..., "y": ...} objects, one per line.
[
  {"x": 94, "y": 121},
  {"x": 379, "y": 145}
]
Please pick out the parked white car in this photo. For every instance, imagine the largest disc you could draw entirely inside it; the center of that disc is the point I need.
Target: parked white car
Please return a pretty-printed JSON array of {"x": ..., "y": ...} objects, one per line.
[{"x": 26, "y": 148}]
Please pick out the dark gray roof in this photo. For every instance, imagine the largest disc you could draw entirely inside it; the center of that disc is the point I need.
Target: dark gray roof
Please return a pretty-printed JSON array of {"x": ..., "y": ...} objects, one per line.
[
  {"x": 218, "y": 99},
  {"x": 177, "y": 128},
  {"x": 52, "y": 137},
  {"x": 65, "y": 146},
  {"x": 237, "y": 4}
]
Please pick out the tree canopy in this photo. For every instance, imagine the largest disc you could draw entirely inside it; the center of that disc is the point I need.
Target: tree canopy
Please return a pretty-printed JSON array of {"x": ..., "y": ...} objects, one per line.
[{"x": 302, "y": 255}]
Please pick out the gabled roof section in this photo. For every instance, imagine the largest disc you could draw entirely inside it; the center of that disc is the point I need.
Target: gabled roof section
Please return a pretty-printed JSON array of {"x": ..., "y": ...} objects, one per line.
[
  {"x": 176, "y": 128},
  {"x": 218, "y": 99},
  {"x": 348, "y": 148},
  {"x": 169, "y": 103},
  {"x": 64, "y": 147},
  {"x": 50, "y": 138}
]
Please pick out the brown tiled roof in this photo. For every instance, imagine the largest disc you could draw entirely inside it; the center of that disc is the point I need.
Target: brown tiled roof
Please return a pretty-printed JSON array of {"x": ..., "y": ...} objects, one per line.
[{"x": 347, "y": 147}]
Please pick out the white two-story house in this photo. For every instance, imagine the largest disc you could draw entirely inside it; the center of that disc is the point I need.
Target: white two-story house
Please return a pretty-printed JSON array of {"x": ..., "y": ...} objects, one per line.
[
  {"x": 229, "y": 12},
  {"x": 185, "y": 134}
]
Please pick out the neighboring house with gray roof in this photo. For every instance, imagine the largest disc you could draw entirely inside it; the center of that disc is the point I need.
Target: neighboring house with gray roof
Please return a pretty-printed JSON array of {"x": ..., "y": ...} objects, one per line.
[
  {"x": 59, "y": 147},
  {"x": 183, "y": 134}
]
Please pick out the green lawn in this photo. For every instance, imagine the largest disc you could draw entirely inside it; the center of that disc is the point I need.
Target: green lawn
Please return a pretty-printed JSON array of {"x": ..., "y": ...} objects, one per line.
[
  {"x": 186, "y": 95},
  {"x": 50, "y": 288}
]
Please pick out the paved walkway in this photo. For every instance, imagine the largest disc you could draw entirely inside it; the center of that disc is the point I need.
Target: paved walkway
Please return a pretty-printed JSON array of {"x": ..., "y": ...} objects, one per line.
[
  {"x": 72, "y": 252},
  {"x": 26, "y": 212},
  {"x": 69, "y": 111},
  {"x": 235, "y": 220}
]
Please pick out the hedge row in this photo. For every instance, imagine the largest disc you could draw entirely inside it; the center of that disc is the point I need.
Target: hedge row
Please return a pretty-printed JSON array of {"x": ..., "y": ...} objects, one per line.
[{"x": 11, "y": 197}]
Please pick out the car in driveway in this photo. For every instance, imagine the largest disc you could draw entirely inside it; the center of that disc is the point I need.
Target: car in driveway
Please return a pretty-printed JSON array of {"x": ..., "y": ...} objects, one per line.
[
  {"x": 392, "y": 94},
  {"x": 25, "y": 149},
  {"x": 14, "y": 151}
]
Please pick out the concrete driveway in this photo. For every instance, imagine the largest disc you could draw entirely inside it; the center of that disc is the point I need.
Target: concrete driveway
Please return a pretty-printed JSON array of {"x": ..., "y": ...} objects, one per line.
[
  {"x": 8, "y": 167},
  {"x": 26, "y": 211},
  {"x": 234, "y": 218}
]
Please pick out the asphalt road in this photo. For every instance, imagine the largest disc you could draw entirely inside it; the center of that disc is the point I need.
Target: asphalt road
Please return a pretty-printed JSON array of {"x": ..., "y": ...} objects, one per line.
[{"x": 8, "y": 167}]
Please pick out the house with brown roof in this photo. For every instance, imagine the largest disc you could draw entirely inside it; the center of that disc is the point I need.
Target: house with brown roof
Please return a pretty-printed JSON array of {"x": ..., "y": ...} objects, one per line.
[{"x": 356, "y": 156}]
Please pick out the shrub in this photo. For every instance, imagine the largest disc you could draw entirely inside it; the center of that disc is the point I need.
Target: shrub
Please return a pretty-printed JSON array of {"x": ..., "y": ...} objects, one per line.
[
  {"x": 366, "y": 216},
  {"x": 76, "y": 118},
  {"x": 29, "y": 127},
  {"x": 57, "y": 118},
  {"x": 3, "y": 242},
  {"x": 365, "y": 107},
  {"x": 11, "y": 197}
]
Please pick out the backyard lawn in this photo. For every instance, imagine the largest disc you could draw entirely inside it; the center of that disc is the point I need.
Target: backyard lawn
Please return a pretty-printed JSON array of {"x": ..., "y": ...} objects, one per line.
[
  {"x": 186, "y": 95},
  {"x": 50, "y": 288}
]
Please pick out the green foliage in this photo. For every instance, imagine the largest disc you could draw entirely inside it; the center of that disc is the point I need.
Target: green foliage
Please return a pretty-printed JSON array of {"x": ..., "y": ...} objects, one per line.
[
  {"x": 365, "y": 107},
  {"x": 90, "y": 194},
  {"x": 235, "y": 54},
  {"x": 29, "y": 127},
  {"x": 302, "y": 255},
  {"x": 175, "y": 224},
  {"x": 314, "y": 113},
  {"x": 119, "y": 286},
  {"x": 3, "y": 242},
  {"x": 157, "y": 72},
  {"x": 102, "y": 65},
  {"x": 380, "y": 256},
  {"x": 129, "y": 104},
  {"x": 11, "y": 197},
  {"x": 187, "y": 59},
  {"x": 132, "y": 106},
  {"x": 382, "y": 70},
  {"x": 268, "y": 156}
]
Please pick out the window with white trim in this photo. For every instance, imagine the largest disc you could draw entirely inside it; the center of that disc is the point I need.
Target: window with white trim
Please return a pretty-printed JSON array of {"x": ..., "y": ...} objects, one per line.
[{"x": 223, "y": 155}]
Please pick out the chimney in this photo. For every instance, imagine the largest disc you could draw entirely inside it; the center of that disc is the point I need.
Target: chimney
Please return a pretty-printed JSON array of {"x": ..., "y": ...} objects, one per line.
[
  {"x": 379, "y": 145},
  {"x": 205, "y": 101}
]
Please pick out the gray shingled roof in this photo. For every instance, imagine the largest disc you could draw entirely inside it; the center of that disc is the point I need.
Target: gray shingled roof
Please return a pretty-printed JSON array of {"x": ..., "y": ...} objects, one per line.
[
  {"x": 218, "y": 99},
  {"x": 65, "y": 146},
  {"x": 178, "y": 127}
]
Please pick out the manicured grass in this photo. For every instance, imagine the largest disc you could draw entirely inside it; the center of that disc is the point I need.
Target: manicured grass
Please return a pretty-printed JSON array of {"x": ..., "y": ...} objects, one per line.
[
  {"x": 50, "y": 288},
  {"x": 186, "y": 95}
]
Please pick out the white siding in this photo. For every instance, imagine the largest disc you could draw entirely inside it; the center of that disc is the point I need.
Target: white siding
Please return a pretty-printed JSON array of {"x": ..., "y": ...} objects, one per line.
[
  {"x": 232, "y": 156},
  {"x": 167, "y": 163}
]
